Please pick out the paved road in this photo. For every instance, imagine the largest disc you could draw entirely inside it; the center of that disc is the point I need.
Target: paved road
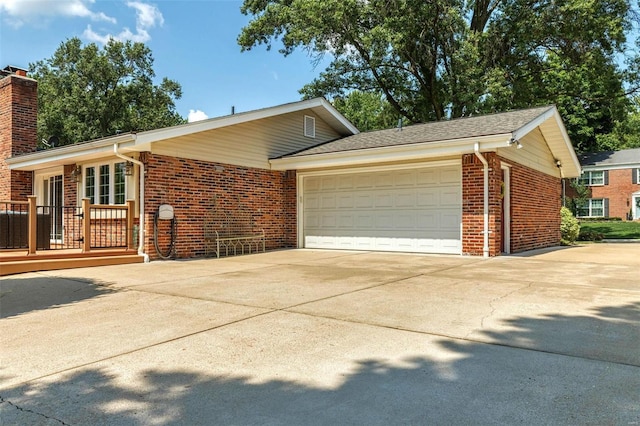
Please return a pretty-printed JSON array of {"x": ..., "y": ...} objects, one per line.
[{"x": 327, "y": 337}]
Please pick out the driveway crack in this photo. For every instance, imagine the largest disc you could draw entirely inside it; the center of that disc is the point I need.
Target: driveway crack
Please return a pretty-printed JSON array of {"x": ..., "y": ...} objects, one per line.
[
  {"x": 493, "y": 307},
  {"x": 26, "y": 410}
]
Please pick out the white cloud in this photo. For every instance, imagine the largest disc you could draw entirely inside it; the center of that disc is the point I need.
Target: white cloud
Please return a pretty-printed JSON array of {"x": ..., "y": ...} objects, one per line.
[
  {"x": 147, "y": 17},
  {"x": 196, "y": 115},
  {"x": 125, "y": 34},
  {"x": 20, "y": 12}
]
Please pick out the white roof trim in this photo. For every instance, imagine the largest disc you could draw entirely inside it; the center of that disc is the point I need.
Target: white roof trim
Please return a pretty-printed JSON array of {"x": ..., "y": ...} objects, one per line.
[
  {"x": 430, "y": 150},
  {"x": 565, "y": 136},
  {"x": 39, "y": 159},
  {"x": 230, "y": 120},
  {"x": 531, "y": 126},
  {"x": 142, "y": 141},
  {"x": 417, "y": 151},
  {"x": 570, "y": 153}
]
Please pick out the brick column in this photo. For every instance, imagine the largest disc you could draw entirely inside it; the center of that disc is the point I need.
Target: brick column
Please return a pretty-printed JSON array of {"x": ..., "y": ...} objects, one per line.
[
  {"x": 473, "y": 205},
  {"x": 18, "y": 133}
]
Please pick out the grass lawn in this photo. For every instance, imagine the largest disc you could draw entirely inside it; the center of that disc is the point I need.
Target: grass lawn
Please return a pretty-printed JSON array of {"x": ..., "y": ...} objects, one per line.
[{"x": 612, "y": 230}]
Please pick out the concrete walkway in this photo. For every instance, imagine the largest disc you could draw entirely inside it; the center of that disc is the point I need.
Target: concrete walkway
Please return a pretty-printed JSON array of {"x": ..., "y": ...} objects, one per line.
[{"x": 327, "y": 337}]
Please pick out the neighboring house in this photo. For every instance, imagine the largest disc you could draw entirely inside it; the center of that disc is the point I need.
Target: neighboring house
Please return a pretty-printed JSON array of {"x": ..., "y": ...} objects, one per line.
[
  {"x": 477, "y": 186},
  {"x": 613, "y": 179}
]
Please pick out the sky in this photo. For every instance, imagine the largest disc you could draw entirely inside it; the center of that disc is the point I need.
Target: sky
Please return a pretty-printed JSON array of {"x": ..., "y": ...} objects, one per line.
[{"x": 192, "y": 41}]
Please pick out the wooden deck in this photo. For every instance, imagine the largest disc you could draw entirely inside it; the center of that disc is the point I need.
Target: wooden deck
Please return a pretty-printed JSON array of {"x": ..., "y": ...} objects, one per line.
[{"x": 19, "y": 261}]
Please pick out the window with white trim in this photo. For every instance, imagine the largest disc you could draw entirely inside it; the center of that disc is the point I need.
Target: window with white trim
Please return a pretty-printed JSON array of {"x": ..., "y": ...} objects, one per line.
[
  {"x": 593, "y": 178},
  {"x": 593, "y": 207},
  {"x": 105, "y": 183}
]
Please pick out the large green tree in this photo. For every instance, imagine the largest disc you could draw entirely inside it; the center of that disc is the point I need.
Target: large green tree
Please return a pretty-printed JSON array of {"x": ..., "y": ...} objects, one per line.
[
  {"x": 367, "y": 110},
  {"x": 87, "y": 92},
  {"x": 439, "y": 59}
]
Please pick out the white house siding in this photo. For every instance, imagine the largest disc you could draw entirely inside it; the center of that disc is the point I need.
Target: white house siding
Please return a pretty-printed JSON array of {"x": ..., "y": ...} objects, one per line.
[
  {"x": 249, "y": 144},
  {"x": 535, "y": 153}
]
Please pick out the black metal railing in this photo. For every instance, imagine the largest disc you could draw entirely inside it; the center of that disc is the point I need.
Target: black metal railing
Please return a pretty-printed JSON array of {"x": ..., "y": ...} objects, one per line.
[
  {"x": 60, "y": 226},
  {"x": 109, "y": 227},
  {"x": 24, "y": 225},
  {"x": 14, "y": 224}
]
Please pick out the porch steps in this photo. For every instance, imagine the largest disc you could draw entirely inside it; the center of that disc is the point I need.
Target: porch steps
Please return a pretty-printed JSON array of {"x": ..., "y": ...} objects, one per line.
[{"x": 49, "y": 262}]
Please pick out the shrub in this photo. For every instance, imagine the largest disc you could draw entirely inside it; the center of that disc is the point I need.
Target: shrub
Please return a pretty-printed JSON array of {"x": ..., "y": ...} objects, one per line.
[
  {"x": 569, "y": 227},
  {"x": 601, "y": 219},
  {"x": 590, "y": 235}
]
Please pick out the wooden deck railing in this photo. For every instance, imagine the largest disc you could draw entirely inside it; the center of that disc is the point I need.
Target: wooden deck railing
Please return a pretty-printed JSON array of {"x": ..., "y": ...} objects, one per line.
[{"x": 100, "y": 226}]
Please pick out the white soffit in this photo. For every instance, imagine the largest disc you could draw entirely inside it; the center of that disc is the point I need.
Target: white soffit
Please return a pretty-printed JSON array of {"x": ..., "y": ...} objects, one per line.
[{"x": 69, "y": 154}]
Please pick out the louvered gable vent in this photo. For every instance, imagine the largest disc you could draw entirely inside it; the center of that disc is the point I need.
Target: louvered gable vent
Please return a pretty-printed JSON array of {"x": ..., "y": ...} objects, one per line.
[{"x": 309, "y": 126}]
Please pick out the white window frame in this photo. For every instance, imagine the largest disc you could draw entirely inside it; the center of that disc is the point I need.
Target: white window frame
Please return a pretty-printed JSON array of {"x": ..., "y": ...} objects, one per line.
[
  {"x": 590, "y": 208},
  {"x": 97, "y": 184},
  {"x": 587, "y": 178},
  {"x": 638, "y": 175}
]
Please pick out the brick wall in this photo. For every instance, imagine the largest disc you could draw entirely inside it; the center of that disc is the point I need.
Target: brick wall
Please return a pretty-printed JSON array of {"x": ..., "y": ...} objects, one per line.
[
  {"x": 536, "y": 199},
  {"x": 194, "y": 188},
  {"x": 290, "y": 209},
  {"x": 618, "y": 192},
  {"x": 535, "y": 207},
  {"x": 18, "y": 133}
]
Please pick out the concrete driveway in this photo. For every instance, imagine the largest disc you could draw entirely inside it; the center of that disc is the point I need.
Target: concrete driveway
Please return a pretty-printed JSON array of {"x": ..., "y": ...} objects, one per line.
[{"x": 327, "y": 337}]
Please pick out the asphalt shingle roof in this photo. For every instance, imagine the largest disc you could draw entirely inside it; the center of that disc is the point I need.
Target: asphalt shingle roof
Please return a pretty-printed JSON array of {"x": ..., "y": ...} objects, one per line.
[
  {"x": 611, "y": 158},
  {"x": 461, "y": 128}
]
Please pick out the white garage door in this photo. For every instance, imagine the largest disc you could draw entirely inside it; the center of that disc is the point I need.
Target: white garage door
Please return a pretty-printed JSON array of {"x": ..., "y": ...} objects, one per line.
[{"x": 415, "y": 210}]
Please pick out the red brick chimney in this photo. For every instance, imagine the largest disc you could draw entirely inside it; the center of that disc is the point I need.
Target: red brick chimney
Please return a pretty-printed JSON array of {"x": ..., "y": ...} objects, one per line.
[{"x": 18, "y": 130}]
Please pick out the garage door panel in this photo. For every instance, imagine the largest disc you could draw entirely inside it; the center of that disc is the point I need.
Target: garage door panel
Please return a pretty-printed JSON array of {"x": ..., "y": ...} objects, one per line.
[
  {"x": 383, "y": 200},
  {"x": 405, "y": 221},
  {"x": 383, "y": 180},
  {"x": 361, "y": 181},
  {"x": 450, "y": 196},
  {"x": 364, "y": 220},
  {"x": 427, "y": 197},
  {"x": 450, "y": 175},
  {"x": 364, "y": 201},
  {"x": 345, "y": 221},
  {"x": 450, "y": 220},
  {"x": 312, "y": 202},
  {"x": 345, "y": 201},
  {"x": 427, "y": 177},
  {"x": 345, "y": 182},
  {"x": 416, "y": 210},
  {"x": 407, "y": 178},
  {"x": 405, "y": 199},
  {"x": 383, "y": 220},
  {"x": 328, "y": 183},
  {"x": 327, "y": 221}
]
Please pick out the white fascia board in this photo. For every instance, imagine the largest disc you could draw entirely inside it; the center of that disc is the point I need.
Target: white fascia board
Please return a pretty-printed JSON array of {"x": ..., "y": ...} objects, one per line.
[
  {"x": 572, "y": 152},
  {"x": 145, "y": 138},
  {"x": 338, "y": 116},
  {"x": 67, "y": 154},
  {"x": 421, "y": 151},
  {"x": 568, "y": 158},
  {"x": 531, "y": 126}
]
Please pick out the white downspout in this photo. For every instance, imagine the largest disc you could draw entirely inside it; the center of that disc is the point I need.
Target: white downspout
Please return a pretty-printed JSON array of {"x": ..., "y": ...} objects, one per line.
[
  {"x": 141, "y": 233},
  {"x": 485, "y": 231}
]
